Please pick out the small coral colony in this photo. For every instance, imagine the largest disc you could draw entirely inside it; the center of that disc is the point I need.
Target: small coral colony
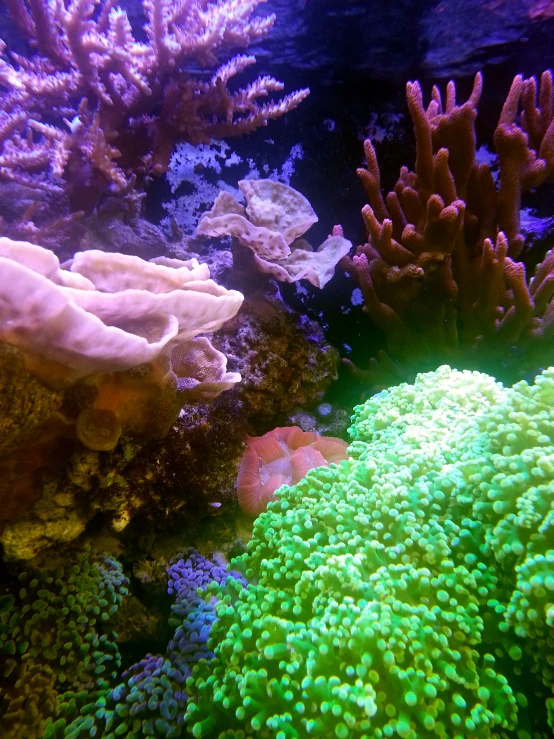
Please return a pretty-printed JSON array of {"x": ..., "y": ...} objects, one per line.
[{"x": 194, "y": 543}]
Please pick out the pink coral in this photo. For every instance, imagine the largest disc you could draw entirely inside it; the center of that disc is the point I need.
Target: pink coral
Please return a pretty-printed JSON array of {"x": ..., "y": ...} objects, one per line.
[
  {"x": 282, "y": 457},
  {"x": 116, "y": 104}
]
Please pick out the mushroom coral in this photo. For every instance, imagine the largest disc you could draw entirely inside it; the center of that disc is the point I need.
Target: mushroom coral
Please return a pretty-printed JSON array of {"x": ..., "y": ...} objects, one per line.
[{"x": 281, "y": 457}]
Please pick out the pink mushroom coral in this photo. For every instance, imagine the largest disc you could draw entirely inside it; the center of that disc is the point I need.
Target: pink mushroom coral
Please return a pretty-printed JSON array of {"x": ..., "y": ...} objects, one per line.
[{"x": 282, "y": 457}]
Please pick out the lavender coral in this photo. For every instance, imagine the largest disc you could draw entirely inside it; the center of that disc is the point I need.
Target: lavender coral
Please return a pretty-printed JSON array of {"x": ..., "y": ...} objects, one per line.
[{"x": 101, "y": 86}]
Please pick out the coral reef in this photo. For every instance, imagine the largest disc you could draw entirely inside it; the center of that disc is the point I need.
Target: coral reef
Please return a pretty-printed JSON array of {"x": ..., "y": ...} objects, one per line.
[
  {"x": 439, "y": 272},
  {"x": 272, "y": 225},
  {"x": 406, "y": 591},
  {"x": 283, "y": 456},
  {"x": 56, "y": 643},
  {"x": 284, "y": 362},
  {"x": 151, "y": 700},
  {"x": 116, "y": 104},
  {"x": 53, "y": 484},
  {"x": 98, "y": 356}
]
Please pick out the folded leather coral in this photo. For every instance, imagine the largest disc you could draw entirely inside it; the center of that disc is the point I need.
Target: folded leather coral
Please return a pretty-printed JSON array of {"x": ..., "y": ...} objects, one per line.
[
  {"x": 103, "y": 346},
  {"x": 271, "y": 225},
  {"x": 105, "y": 312}
]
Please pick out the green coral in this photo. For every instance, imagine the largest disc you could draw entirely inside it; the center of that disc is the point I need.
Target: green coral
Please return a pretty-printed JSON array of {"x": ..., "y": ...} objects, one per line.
[
  {"x": 55, "y": 645},
  {"x": 407, "y": 592}
]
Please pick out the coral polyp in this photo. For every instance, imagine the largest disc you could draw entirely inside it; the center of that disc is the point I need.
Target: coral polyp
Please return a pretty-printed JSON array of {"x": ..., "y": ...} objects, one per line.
[
  {"x": 406, "y": 591},
  {"x": 98, "y": 429}
]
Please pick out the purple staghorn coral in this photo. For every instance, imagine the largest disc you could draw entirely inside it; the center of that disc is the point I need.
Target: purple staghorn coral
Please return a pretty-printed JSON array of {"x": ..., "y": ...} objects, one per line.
[{"x": 114, "y": 104}]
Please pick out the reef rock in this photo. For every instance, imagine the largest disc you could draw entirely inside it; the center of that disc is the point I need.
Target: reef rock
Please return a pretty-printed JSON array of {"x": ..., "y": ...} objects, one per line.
[
  {"x": 96, "y": 356},
  {"x": 123, "y": 419}
]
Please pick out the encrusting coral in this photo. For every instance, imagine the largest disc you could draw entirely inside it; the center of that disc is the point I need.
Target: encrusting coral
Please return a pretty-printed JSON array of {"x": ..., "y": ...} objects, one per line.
[
  {"x": 115, "y": 104},
  {"x": 104, "y": 351},
  {"x": 439, "y": 272},
  {"x": 407, "y": 591},
  {"x": 272, "y": 225}
]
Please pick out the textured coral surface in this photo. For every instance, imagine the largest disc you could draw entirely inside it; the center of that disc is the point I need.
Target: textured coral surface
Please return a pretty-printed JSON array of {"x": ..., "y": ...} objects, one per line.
[
  {"x": 405, "y": 592},
  {"x": 285, "y": 363},
  {"x": 55, "y": 643},
  {"x": 149, "y": 440},
  {"x": 96, "y": 357}
]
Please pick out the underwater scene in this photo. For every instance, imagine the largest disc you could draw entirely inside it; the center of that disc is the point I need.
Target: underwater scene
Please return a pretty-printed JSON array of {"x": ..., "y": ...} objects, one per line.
[{"x": 276, "y": 369}]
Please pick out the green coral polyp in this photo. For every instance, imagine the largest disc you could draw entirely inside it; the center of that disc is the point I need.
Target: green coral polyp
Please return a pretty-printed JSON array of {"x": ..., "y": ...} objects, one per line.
[
  {"x": 49, "y": 630},
  {"x": 407, "y": 592}
]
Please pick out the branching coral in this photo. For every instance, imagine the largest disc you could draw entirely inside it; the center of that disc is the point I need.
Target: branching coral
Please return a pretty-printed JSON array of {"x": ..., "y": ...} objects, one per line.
[
  {"x": 439, "y": 273},
  {"x": 406, "y": 591},
  {"x": 114, "y": 104},
  {"x": 103, "y": 349},
  {"x": 271, "y": 225}
]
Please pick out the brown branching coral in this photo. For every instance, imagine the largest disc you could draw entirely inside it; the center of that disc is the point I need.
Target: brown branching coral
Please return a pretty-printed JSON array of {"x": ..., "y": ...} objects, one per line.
[
  {"x": 95, "y": 110},
  {"x": 438, "y": 273}
]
